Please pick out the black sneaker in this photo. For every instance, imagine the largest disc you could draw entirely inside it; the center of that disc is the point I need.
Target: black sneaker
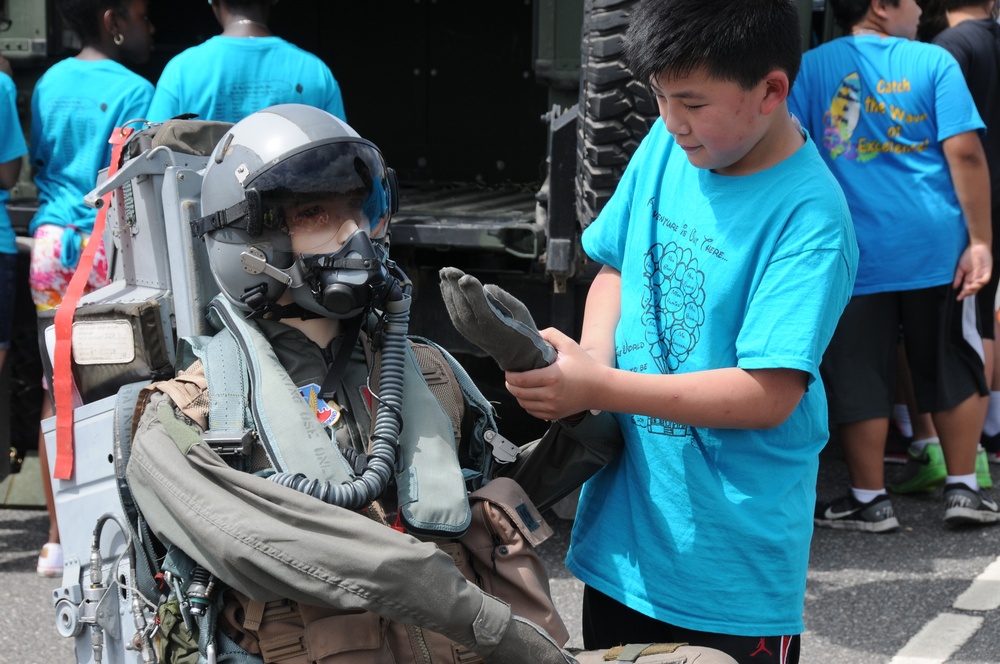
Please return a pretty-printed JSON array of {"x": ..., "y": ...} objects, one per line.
[
  {"x": 848, "y": 513},
  {"x": 963, "y": 506}
]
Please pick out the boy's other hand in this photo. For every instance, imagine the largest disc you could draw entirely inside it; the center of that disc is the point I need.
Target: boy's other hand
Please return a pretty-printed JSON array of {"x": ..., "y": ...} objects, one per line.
[
  {"x": 566, "y": 387},
  {"x": 974, "y": 268}
]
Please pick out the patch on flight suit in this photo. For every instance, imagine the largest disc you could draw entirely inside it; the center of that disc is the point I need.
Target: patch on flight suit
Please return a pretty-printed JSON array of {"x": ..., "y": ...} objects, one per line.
[{"x": 327, "y": 413}]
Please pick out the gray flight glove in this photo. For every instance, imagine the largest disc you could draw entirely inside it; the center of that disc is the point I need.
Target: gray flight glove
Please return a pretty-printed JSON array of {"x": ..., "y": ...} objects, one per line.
[
  {"x": 524, "y": 642},
  {"x": 494, "y": 320}
]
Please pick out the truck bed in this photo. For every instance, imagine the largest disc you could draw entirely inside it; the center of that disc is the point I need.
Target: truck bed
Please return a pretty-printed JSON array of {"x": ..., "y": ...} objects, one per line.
[{"x": 468, "y": 216}]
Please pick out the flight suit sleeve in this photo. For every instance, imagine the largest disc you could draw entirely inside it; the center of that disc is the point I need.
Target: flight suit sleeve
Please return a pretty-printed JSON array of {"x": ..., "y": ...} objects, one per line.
[{"x": 269, "y": 542}]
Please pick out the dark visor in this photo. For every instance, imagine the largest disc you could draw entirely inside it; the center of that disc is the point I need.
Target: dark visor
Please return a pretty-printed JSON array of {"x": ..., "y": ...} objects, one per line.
[{"x": 332, "y": 170}]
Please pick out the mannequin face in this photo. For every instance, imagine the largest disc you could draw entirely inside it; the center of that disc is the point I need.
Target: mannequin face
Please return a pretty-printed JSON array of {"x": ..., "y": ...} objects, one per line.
[{"x": 323, "y": 226}]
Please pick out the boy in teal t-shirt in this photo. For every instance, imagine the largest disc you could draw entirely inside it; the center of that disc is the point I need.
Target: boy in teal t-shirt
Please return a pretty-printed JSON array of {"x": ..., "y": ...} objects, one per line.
[
  {"x": 895, "y": 122},
  {"x": 728, "y": 255}
]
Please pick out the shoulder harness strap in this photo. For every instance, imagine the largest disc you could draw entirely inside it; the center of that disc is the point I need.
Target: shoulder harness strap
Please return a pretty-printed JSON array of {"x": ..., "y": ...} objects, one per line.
[
  {"x": 252, "y": 394},
  {"x": 486, "y": 446}
]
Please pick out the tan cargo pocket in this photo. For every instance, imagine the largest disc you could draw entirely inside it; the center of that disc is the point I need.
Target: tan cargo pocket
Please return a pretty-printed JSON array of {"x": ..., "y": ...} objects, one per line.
[
  {"x": 500, "y": 541},
  {"x": 353, "y": 638},
  {"x": 286, "y": 632}
]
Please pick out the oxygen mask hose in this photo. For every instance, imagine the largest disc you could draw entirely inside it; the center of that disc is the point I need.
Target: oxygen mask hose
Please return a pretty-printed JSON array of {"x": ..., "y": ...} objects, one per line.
[{"x": 368, "y": 486}]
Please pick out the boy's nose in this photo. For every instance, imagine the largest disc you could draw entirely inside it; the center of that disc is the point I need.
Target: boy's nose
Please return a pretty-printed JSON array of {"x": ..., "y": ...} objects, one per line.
[{"x": 676, "y": 125}]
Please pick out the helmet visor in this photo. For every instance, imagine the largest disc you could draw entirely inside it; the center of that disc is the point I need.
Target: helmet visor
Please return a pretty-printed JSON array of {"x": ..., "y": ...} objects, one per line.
[{"x": 310, "y": 196}]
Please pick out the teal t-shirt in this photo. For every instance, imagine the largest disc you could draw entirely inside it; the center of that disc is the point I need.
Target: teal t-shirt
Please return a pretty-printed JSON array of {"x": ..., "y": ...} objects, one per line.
[
  {"x": 709, "y": 529},
  {"x": 75, "y": 107},
  {"x": 879, "y": 110},
  {"x": 228, "y": 78},
  {"x": 11, "y": 147}
]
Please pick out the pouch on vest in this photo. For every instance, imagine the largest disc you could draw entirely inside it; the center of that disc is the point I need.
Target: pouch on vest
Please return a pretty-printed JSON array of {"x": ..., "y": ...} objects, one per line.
[
  {"x": 505, "y": 528},
  {"x": 292, "y": 633}
]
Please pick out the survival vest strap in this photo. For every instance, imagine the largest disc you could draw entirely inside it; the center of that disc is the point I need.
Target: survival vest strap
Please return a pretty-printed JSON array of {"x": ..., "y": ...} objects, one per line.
[{"x": 486, "y": 447}]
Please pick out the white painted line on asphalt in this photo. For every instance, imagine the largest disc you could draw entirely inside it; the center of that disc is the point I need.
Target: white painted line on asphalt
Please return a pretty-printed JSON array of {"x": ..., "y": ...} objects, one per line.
[
  {"x": 938, "y": 639},
  {"x": 984, "y": 593}
]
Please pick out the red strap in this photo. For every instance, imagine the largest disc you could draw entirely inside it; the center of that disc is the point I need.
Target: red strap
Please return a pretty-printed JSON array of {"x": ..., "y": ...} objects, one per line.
[
  {"x": 62, "y": 370},
  {"x": 399, "y": 521}
]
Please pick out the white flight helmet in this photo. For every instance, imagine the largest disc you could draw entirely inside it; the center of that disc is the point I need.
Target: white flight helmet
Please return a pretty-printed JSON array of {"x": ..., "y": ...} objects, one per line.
[{"x": 268, "y": 169}]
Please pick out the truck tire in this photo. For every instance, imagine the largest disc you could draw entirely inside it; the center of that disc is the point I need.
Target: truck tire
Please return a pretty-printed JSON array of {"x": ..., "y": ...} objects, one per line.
[{"x": 615, "y": 111}]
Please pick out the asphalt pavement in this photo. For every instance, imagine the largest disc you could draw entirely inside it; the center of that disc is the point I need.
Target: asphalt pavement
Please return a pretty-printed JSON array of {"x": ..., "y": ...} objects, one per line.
[{"x": 871, "y": 599}]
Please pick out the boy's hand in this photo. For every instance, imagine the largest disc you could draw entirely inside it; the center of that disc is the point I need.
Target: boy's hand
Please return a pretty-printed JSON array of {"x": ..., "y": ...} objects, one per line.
[
  {"x": 974, "y": 268},
  {"x": 565, "y": 388}
]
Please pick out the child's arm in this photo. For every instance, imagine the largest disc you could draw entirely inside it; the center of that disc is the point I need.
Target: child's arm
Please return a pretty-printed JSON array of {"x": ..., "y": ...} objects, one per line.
[
  {"x": 729, "y": 398},
  {"x": 9, "y": 171},
  {"x": 600, "y": 317},
  {"x": 970, "y": 175}
]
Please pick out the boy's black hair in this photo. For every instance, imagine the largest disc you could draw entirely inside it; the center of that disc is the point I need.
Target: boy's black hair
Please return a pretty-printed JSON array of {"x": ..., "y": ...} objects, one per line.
[
  {"x": 734, "y": 40},
  {"x": 848, "y": 13},
  {"x": 83, "y": 17},
  {"x": 246, "y": 4}
]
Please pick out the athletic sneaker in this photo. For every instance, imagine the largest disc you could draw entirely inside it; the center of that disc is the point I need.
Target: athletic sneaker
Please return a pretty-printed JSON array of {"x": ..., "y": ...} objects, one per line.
[
  {"x": 983, "y": 470},
  {"x": 963, "y": 506},
  {"x": 896, "y": 445},
  {"x": 925, "y": 471},
  {"x": 848, "y": 513},
  {"x": 50, "y": 561},
  {"x": 992, "y": 446}
]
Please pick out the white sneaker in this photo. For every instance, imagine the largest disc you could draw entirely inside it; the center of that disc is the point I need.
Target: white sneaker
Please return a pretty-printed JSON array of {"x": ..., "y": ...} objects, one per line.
[{"x": 50, "y": 561}]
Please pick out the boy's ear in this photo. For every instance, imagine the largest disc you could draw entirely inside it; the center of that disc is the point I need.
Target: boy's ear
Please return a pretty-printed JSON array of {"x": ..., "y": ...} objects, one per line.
[{"x": 776, "y": 90}]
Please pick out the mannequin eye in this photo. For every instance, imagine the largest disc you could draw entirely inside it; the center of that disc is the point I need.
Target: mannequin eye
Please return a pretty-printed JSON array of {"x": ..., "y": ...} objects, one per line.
[
  {"x": 310, "y": 219},
  {"x": 313, "y": 211}
]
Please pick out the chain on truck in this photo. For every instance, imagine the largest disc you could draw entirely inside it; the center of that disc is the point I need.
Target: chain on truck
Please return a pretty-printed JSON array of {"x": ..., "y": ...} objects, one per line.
[{"x": 509, "y": 125}]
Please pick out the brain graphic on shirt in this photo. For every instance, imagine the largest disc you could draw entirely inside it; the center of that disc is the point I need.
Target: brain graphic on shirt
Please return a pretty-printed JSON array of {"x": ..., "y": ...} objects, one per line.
[{"x": 672, "y": 304}]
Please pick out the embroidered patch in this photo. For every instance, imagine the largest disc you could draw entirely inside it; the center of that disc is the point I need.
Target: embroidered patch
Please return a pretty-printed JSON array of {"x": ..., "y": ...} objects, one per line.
[{"x": 326, "y": 413}]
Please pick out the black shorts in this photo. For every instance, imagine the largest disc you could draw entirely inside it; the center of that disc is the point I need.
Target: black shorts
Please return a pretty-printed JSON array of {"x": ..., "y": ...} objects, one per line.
[
  {"x": 608, "y": 623},
  {"x": 8, "y": 290},
  {"x": 986, "y": 298},
  {"x": 943, "y": 347}
]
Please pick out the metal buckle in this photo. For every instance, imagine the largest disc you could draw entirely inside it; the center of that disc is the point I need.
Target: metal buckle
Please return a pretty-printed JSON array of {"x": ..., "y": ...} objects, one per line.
[
  {"x": 504, "y": 451},
  {"x": 230, "y": 443}
]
